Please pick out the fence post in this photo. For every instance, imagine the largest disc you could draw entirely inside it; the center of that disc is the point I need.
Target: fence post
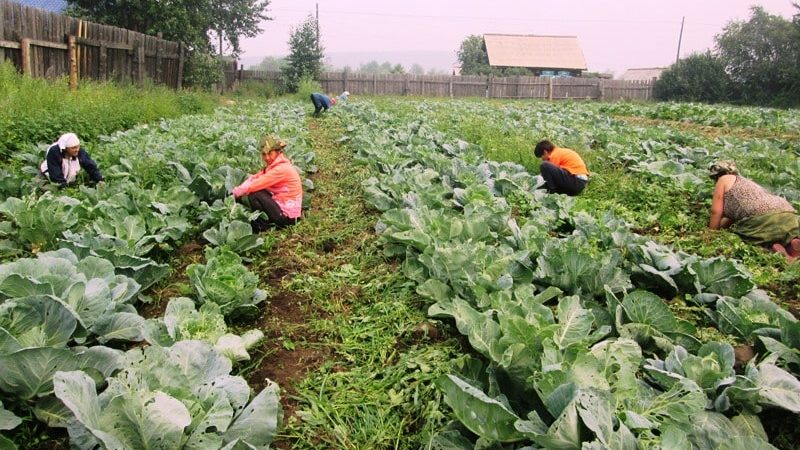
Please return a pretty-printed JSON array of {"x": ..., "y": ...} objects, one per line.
[
  {"x": 103, "y": 62},
  {"x": 25, "y": 50},
  {"x": 550, "y": 88},
  {"x": 602, "y": 86},
  {"x": 72, "y": 55},
  {"x": 344, "y": 80},
  {"x": 406, "y": 86},
  {"x": 159, "y": 51},
  {"x": 488, "y": 85},
  {"x": 374, "y": 84},
  {"x": 451, "y": 86},
  {"x": 2, "y": 35},
  {"x": 179, "y": 83}
]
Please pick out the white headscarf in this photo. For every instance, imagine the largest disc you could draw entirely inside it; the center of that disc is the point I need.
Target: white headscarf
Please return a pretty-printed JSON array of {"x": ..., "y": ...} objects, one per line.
[{"x": 67, "y": 140}]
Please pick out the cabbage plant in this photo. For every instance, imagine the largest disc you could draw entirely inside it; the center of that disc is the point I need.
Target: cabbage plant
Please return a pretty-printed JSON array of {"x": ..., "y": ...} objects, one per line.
[{"x": 224, "y": 280}]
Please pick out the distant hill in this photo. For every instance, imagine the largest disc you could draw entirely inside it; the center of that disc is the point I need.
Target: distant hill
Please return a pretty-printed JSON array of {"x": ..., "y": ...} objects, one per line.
[{"x": 434, "y": 59}]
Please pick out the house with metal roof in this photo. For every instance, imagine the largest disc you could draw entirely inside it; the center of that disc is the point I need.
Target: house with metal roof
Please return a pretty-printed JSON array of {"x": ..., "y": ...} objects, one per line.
[
  {"x": 542, "y": 55},
  {"x": 643, "y": 74},
  {"x": 56, "y": 6}
]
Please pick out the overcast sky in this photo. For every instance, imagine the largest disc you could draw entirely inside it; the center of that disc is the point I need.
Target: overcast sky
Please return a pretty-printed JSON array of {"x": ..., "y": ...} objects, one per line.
[{"x": 614, "y": 34}]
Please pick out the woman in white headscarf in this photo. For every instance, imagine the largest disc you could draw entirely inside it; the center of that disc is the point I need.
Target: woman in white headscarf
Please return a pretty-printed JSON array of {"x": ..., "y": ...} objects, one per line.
[{"x": 65, "y": 158}]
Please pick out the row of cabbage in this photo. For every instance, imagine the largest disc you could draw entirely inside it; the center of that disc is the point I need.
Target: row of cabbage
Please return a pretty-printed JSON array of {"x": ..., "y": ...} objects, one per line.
[
  {"x": 772, "y": 119},
  {"x": 652, "y": 151},
  {"x": 81, "y": 260},
  {"x": 579, "y": 347}
]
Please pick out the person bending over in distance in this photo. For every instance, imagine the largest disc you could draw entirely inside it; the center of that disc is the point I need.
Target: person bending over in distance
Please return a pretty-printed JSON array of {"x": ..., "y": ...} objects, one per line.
[
  {"x": 275, "y": 190},
  {"x": 752, "y": 212},
  {"x": 65, "y": 159},
  {"x": 562, "y": 169},
  {"x": 321, "y": 103}
]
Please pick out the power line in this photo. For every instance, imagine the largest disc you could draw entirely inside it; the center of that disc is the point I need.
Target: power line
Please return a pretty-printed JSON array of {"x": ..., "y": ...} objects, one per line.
[{"x": 485, "y": 19}]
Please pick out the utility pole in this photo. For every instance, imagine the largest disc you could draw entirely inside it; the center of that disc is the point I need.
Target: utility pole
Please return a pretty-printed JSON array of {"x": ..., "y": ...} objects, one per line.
[
  {"x": 680, "y": 37},
  {"x": 318, "y": 28}
]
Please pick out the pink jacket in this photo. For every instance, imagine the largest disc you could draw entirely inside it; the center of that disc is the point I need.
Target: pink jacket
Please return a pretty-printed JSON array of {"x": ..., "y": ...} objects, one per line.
[{"x": 282, "y": 180}]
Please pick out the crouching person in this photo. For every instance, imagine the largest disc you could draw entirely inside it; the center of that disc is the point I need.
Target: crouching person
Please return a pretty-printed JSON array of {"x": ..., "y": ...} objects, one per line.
[
  {"x": 65, "y": 159},
  {"x": 275, "y": 190}
]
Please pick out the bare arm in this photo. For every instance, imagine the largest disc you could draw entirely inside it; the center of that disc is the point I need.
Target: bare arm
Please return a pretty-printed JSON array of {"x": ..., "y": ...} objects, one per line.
[{"x": 717, "y": 220}]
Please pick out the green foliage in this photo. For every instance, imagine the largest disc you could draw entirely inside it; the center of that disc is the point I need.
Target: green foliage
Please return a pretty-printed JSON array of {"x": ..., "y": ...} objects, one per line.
[
  {"x": 270, "y": 64},
  {"x": 203, "y": 70},
  {"x": 188, "y": 21},
  {"x": 182, "y": 322},
  {"x": 181, "y": 396},
  {"x": 258, "y": 89},
  {"x": 385, "y": 68},
  {"x": 473, "y": 57},
  {"x": 761, "y": 55},
  {"x": 305, "y": 87},
  {"x": 224, "y": 280},
  {"x": 305, "y": 54},
  {"x": 36, "y": 111},
  {"x": 700, "y": 77}
]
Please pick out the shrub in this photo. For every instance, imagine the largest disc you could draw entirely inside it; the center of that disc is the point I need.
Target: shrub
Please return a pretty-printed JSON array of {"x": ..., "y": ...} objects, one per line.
[
  {"x": 306, "y": 87},
  {"x": 701, "y": 77},
  {"x": 203, "y": 71}
]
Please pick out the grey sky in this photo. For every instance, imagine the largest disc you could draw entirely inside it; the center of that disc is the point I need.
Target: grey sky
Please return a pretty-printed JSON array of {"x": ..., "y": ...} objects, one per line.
[{"x": 614, "y": 34}]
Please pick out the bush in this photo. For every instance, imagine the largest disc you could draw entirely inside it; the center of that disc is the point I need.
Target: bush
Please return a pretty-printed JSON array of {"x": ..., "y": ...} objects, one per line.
[
  {"x": 34, "y": 111},
  {"x": 306, "y": 87},
  {"x": 699, "y": 78},
  {"x": 203, "y": 71}
]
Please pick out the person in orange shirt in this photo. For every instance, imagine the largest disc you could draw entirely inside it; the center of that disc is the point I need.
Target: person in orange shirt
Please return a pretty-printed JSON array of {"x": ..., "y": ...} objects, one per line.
[
  {"x": 276, "y": 190},
  {"x": 562, "y": 169}
]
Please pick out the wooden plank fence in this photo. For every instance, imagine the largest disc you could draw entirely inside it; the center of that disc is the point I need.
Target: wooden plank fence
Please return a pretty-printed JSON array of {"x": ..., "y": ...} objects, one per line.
[
  {"x": 516, "y": 87},
  {"x": 49, "y": 45}
]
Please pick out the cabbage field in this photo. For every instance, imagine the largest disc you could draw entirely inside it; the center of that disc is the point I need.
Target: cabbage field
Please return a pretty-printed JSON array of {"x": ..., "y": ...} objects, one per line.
[{"x": 431, "y": 297}]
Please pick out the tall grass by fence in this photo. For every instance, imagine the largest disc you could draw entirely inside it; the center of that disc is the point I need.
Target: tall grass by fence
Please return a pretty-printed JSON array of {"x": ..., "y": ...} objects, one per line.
[
  {"x": 49, "y": 45},
  {"x": 471, "y": 86}
]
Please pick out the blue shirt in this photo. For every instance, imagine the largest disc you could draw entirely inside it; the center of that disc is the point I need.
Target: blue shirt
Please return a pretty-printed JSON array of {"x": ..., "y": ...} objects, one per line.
[{"x": 54, "y": 158}]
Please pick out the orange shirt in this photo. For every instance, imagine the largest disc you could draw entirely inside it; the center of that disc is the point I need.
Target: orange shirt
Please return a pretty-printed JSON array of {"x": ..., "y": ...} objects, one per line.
[{"x": 568, "y": 160}]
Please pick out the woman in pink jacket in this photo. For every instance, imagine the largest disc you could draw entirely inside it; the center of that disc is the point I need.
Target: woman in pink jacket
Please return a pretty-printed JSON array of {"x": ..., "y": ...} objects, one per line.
[{"x": 276, "y": 190}]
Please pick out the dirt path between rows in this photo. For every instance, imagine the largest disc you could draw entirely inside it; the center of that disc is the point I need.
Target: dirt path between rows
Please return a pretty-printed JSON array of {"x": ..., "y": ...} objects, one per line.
[{"x": 320, "y": 243}]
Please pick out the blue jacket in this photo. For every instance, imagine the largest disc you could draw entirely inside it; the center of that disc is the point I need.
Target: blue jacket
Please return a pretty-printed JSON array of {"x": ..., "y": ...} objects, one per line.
[
  {"x": 322, "y": 100},
  {"x": 54, "y": 158}
]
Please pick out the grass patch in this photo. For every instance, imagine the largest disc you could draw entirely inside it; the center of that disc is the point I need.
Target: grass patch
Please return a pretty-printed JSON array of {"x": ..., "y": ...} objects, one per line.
[{"x": 38, "y": 111}]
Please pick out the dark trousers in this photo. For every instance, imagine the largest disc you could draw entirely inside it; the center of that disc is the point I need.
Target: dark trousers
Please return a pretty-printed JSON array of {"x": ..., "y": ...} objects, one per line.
[
  {"x": 318, "y": 105},
  {"x": 560, "y": 181},
  {"x": 262, "y": 201}
]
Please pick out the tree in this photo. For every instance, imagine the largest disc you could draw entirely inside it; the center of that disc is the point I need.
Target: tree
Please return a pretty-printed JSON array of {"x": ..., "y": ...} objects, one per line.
[
  {"x": 188, "y": 21},
  {"x": 473, "y": 56},
  {"x": 700, "y": 77},
  {"x": 270, "y": 64},
  {"x": 761, "y": 56},
  {"x": 370, "y": 67},
  {"x": 305, "y": 54},
  {"x": 234, "y": 19},
  {"x": 417, "y": 69},
  {"x": 398, "y": 69}
]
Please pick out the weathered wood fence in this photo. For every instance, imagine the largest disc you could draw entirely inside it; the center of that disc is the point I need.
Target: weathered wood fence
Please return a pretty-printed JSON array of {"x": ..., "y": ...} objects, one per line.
[
  {"x": 473, "y": 86},
  {"x": 50, "y": 45}
]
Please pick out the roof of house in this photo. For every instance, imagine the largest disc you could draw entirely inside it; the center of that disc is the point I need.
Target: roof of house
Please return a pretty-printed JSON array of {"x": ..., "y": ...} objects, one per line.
[
  {"x": 540, "y": 52},
  {"x": 643, "y": 74},
  {"x": 48, "y": 5}
]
